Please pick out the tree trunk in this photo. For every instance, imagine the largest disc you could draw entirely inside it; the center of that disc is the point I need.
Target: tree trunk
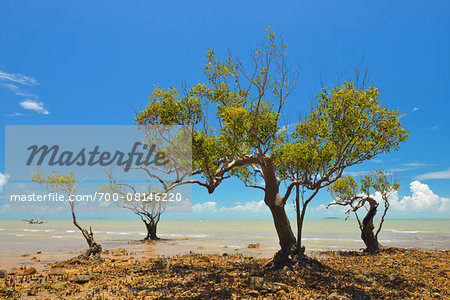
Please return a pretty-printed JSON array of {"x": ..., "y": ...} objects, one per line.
[
  {"x": 300, "y": 219},
  {"x": 95, "y": 249},
  {"x": 299, "y": 224},
  {"x": 300, "y": 248},
  {"x": 275, "y": 202},
  {"x": 151, "y": 230},
  {"x": 283, "y": 228},
  {"x": 292, "y": 253},
  {"x": 367, "y": 234}
]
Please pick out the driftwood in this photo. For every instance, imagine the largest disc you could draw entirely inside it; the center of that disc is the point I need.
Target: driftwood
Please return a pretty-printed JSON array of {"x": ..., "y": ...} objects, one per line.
[{"x": 35, "y": 221}]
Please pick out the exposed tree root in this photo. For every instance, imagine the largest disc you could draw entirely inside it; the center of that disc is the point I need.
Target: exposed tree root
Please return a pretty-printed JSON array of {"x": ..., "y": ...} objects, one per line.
[
  {"x": 93, "y": 253},
  {"x": 293, "y": 260}
]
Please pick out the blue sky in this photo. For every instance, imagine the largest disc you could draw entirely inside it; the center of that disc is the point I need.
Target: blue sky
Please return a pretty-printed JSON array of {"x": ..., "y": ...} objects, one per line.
[{"x": 90, "y": 62}]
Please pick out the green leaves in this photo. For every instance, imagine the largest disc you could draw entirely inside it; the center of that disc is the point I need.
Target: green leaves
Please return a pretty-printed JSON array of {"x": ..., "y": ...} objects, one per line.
[
  {"x": 346, "y": 189},
  {"x": 347, "y": 127},
  {"x": 244, "y": 101},
  {"x": 56, "y": 180},
  {"x": 382, "y": 182},
  {"x": 164, "y": 108}
]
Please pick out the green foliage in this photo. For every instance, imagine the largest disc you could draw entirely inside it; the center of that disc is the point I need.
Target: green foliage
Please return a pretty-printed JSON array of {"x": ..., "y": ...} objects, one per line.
[
  {"x": 380, "y": 182},
  {"x": 164, "y": 108},
  {"x": 245, "y": 105},
  {"x": 347, "y": 127},
  {"x": 346, "y": 189},
  {"x": 55, "y": 181}
]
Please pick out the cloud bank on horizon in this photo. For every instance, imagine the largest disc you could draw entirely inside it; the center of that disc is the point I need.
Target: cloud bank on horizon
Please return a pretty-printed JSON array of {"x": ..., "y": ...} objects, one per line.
[
  {"x": 211, "y": 207},
  {"x": 421, "y": 201}
]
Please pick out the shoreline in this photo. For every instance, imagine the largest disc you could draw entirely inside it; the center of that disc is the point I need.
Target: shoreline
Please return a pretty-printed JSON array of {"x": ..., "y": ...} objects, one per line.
[
  {"x": 137, "y": 249},
  {"x": 40, "y": 245}
]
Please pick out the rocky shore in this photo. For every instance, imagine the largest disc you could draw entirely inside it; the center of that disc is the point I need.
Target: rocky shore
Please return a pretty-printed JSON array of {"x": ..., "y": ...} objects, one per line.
[{"x": 392, "y": 274}]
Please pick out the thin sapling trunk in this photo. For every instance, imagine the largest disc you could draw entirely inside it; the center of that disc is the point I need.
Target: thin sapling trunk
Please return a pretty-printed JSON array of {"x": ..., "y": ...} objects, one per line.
[{"x": 95, "y": 249}]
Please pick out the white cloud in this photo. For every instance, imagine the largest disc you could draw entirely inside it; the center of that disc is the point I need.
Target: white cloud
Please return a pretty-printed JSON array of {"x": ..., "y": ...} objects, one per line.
[
  {"x": 415, "y": 109},
  {"x": 16, "y": 90},
  {"x": 209, "y": 206},
  {"x": 422, "y": 199},
  {"x": 12, "y": 87},
  {"x": 416, "y": 165},
  {"x": 16, "y": 114},
  {"x": 35, "y": 106},
  {"x": 18, "y": 78},
  {"x": 247, "y": 207},
  {"x": 251, "y": 206},
  {"x": 435, "y": 175},
  {"x": 376, "y": 160},
  {"x": 31, "y": 101},
  {"x": 321, "y": 207},
  {"x": 104, "y": 204},
  {"x": 405, "y": 167},
  {"x": 3, "y": 180},
  {"x": 357, "y": 173}
]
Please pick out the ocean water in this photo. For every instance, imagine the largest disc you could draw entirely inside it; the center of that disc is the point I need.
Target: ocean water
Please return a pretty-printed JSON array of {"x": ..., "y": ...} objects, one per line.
[{"x": 57, "y": 240}]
